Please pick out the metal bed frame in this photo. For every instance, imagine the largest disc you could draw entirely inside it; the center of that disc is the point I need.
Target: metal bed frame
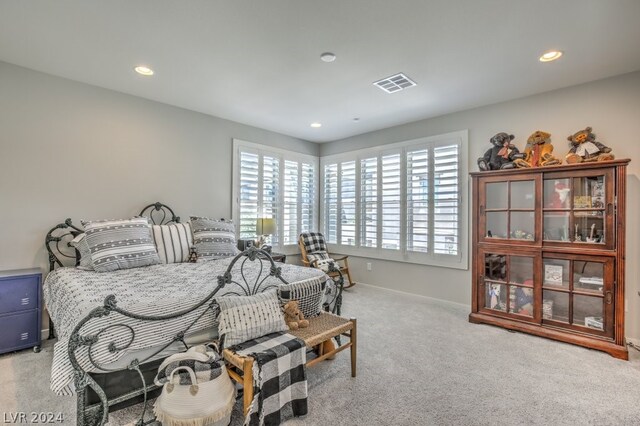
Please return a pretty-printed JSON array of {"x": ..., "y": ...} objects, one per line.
[{"x": 94, "y": 396}]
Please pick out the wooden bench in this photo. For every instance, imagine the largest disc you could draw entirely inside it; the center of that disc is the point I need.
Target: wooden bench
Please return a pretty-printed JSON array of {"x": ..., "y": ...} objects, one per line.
[{"x": 321, "y": 329}]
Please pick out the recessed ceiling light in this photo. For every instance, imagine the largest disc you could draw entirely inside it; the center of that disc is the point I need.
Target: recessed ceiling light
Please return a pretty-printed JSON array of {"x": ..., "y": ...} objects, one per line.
[
  {"x": 316, "y": 125},
  {"x": 356, "y": 119},
  {"x": 141, "y": 69},
  {"x": 328, "y": 57},
  {"x": 551, "y": 55}
]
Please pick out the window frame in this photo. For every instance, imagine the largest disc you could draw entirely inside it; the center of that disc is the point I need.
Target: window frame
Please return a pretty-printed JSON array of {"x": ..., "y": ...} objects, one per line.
[
  {"x": 282, "y": 155},
  {"x": 459, "y": 261}
]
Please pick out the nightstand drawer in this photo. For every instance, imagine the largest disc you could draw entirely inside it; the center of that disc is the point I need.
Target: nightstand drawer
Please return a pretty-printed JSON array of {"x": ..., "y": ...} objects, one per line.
[
  {"x": 19, "y": 294},
  {"x": 19, "y": 331}
]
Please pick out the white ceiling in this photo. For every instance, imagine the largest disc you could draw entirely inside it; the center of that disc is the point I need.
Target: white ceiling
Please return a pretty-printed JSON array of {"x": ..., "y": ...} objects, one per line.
[{"x": 258, "y": 62}]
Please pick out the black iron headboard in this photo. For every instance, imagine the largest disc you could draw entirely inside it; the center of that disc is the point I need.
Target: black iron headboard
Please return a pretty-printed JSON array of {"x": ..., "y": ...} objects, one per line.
[{"x": 59, "y": 237}]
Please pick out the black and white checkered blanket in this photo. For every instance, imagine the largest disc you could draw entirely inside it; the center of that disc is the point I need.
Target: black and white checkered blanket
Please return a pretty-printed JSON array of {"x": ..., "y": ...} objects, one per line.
[{"x": 279, "y": 378}]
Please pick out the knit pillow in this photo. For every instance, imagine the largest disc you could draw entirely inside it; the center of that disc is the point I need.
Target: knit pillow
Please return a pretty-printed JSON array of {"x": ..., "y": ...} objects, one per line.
[
  {"x": 244, "y": 318},
  {"x": 120, "y": 244},
  {"x": 308, "y": 293},
  {"x": 214, "y": 239}
]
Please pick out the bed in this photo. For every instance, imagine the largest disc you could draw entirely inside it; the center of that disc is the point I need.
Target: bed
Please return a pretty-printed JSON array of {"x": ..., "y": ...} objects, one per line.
[{"x": 114, "y": 328}]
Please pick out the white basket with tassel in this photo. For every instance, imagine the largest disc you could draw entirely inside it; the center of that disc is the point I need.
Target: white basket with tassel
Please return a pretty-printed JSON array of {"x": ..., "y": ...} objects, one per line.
[{"x": 199, "y": 403}]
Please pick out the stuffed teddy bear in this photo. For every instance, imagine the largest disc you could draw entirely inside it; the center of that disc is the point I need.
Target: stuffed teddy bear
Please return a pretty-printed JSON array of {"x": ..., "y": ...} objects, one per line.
[
  {"x": 501, "y": 154},
  {"x": 538, "y": 151},
  {"x": 584, "y": 147},
  {"x": 293, "y": 317}
]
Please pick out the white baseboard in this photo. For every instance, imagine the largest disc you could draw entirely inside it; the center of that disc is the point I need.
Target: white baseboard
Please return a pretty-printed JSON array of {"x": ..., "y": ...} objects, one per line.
[{"x": 414, "y": 294}]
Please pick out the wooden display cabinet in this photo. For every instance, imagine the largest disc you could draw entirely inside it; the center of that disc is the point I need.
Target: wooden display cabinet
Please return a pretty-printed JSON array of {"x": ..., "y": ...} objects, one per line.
[{"x": 548, "y": 252}]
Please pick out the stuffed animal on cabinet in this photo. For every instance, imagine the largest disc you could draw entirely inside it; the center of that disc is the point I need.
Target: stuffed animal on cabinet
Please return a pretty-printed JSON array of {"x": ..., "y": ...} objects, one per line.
[
  {"x": 584, "y": 148},
  {"x": 501, "y": 155},
  {"x": 538, "y": 151}
]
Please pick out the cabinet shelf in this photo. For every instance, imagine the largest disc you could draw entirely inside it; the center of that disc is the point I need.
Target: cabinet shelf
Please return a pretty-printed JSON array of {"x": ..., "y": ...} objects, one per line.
[{"x": 548, "y": 248}]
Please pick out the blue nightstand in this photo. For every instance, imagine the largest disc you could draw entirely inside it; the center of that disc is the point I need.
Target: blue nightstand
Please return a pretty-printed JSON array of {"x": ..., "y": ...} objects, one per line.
[{"x": 20, "y": 309}]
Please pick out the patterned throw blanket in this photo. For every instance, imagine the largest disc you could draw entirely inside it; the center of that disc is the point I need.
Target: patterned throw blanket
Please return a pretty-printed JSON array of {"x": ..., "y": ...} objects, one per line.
[{"x": 279, "y": 378}]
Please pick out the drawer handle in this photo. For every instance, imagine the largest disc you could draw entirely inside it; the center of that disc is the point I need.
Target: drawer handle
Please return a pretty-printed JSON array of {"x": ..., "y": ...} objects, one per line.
[{"x": 608, "y": 298}]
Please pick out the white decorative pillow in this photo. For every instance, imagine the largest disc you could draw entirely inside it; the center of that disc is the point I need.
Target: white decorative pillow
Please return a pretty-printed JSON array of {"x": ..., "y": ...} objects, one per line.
[
  {"x": 120, "y": 244},
  {"x": 244, "y": 318},
  {"x": 80, "y": 244},
  {"x": 173, "y": 242},
  {"x": 308, "y": 293},
  {"x": 214, "y": 239}
]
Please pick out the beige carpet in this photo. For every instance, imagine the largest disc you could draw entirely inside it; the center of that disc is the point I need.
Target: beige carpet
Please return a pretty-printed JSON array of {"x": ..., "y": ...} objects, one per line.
[{"x": 420, "y": 363}]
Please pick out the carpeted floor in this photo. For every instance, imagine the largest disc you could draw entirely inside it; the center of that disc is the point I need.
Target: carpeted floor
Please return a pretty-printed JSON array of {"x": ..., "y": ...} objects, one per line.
[{"x": 420, "y": 363}]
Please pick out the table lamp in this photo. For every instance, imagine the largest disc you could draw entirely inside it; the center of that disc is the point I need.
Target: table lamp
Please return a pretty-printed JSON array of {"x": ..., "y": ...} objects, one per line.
[{"x": 264, "y": 228}]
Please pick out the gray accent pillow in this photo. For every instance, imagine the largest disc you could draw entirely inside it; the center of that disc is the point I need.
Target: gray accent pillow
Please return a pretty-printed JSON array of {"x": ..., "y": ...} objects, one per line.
[
  {"x": 244, "y": 318},
  {"x": 214, "y": 239},
  {"x": 80, "y": 244},
  {"x": 120, "y": 244},
  {"x": 308, "y": 294}
]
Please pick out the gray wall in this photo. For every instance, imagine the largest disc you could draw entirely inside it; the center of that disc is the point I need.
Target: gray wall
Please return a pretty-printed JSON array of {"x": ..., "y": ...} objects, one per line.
[
  {"x": 610, "y": 106},
  {"x": 68, "y": 149}
]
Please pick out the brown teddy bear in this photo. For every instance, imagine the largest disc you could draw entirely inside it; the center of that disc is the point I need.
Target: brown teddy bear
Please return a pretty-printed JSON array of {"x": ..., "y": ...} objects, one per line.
[
  {"x": 538, "y": 151},
  {"x": 293, "y": 317},
  {"x": 584, "y": 147}
]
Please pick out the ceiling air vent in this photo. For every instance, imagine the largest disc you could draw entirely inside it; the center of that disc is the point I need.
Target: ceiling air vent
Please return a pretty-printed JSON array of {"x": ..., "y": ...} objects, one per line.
[{"x": 395, "y": 83}]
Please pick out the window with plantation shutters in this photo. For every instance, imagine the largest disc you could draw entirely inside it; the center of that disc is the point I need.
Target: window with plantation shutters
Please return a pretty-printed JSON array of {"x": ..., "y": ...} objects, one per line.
[
  {"x": 401, "y": 201},
  {"x": 278, "y": 184}
]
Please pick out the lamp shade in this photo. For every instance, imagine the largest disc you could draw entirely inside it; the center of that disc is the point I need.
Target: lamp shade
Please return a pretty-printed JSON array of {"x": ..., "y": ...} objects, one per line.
[{"x": 265, "y": 226}]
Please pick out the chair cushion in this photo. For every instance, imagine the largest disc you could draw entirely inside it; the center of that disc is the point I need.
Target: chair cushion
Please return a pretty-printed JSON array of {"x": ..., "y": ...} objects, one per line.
[
  {"x": 319, "y": 256},
  {"x": 313, "y": 242}
]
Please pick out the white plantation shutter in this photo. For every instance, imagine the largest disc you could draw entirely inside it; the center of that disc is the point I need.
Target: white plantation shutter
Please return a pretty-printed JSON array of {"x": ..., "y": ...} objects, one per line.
[
  {"x": 249, "y": 194},
  {"x": 418, "y": 200},
  {"x": 330, "y": 205},
  {"x": 290, "y": 213},
  {"x": 308, "y": 191},
  {"x": 348, "y": 203},
  {"x": 271, "y": 192},
  {"x": 400, "y": 203},
  {"x": 390, "y": 200},
  {"x": 446, "y": 223},
  {"x": 369, "y": 202},
  {"x": 273, "y": 183}
]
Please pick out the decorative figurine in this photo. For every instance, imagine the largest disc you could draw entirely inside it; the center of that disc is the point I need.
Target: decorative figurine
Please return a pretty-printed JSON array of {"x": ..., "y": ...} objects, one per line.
[
  {"x": 585, "y": 148},
  {"x": 538, "y": 151},
  {"x": 501, "y": 155},
  {"x": 560, "y": 197}
]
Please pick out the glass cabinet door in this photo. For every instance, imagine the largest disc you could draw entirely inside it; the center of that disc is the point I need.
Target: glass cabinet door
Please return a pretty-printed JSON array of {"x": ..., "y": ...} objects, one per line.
[
  {"x": 578, "y": 209},
  {"x": 577, "y": 292},
  {"x": 508, "y": 284},
  {"x": 509, "y": 210}
]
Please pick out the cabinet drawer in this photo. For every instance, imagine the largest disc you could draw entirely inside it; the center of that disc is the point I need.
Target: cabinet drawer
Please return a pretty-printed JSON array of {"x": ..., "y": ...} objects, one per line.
[
  {"x": 19, "y": 331},
  {"x": 19, "y": 294}
]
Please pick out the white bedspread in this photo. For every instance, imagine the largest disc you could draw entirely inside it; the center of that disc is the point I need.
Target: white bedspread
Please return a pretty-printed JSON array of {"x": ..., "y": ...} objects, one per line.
[{"x": 70, "y": 294}]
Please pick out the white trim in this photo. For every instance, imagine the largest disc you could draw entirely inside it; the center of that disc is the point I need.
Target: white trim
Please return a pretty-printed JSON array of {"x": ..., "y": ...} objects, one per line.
[
  {"x": 406, "y": 293},
  {"x": 459, "y": 261}
]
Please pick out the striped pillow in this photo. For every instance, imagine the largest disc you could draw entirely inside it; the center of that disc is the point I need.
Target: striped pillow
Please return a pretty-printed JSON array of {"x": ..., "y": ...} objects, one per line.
[
  {"x": 80, "y": 244},
  {"x": 120, "y": 244},
  {"x": 214, "y": 239},
  {"x": 173, "y": 242},
  {"x": 308, "y": 294},
  {"x": 244, "y": 318}
]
